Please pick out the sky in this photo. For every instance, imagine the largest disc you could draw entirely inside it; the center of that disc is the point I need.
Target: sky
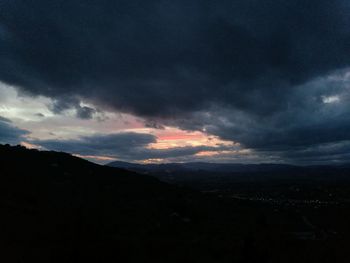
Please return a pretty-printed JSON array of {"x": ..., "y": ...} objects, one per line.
[{"x": 243, "y": 81}]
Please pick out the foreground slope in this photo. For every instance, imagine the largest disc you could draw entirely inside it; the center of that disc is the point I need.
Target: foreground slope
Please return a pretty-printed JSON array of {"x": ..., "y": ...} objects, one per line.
[{"x": 59, "y": 208}]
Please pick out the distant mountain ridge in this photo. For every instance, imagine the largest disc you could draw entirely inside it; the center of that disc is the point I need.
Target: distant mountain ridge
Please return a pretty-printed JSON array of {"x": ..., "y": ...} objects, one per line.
[
  {"x": 204, "y": 166},
  {"x": 197, "y": 174},
  {"x": 222, "y": 167}
]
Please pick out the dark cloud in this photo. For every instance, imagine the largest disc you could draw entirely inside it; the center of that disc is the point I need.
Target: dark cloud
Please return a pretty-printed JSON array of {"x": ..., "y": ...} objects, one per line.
[
  {"x": 166, "y": 57},
  {"x": 126, "y": 146},
  {"x": 153, "y": 124},
  {"x": 100, "y": 144},
  {"x": 39, "y": 114},
  {"x": 3, "y": 119},
  {"x": 9, "y": 133},
  {"x": 67, "y": 103},
  {"x": 85, "y": 112},
  {"x": 316, "y": 112},
  {"x": 242, "y": 69},
  {"x": 64, "y": 103}
]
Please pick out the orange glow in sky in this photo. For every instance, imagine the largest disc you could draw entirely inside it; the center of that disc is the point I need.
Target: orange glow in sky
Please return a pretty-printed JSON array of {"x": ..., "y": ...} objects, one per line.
[
  {"x": 30, "y": 145},
  {"x": 173, "y": 137}
]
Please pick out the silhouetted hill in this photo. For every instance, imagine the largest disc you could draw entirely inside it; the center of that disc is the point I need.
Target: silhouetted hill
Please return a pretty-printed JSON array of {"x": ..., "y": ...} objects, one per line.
[{"x": 60, "y": 208}]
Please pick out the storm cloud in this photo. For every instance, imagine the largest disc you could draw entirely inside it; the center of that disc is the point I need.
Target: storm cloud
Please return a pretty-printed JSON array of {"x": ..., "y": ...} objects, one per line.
[
  {"x": 270, "y": 75},
  {"x": 126, "y": 146},
  {"x": 9, "y": 133}
]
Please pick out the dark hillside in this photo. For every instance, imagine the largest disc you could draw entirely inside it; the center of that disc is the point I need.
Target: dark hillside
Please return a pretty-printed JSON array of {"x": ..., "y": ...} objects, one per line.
[{"x": 59, "y": 208}]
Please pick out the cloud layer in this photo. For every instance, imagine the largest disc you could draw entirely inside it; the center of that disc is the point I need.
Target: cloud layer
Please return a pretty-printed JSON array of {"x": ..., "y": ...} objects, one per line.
[
  {"x": 9, "y": 133},
  {"x": 270, "y": 75},
  {"x": 125, "y": 146}
]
